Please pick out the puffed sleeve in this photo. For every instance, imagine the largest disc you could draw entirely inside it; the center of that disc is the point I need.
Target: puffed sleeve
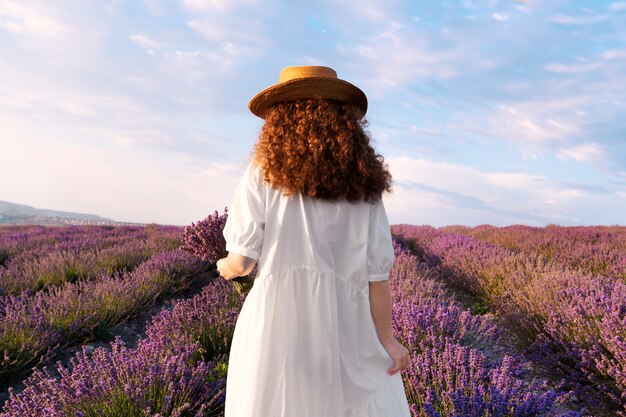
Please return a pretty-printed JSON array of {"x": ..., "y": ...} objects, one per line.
[
  {"x": 245, "y": 224},
  {"x": 380, "y": 247}
]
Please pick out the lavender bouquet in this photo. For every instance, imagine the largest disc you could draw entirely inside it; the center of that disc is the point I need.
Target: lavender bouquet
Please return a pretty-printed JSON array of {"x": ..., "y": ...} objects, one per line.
[{"x": 206, "y": 240}]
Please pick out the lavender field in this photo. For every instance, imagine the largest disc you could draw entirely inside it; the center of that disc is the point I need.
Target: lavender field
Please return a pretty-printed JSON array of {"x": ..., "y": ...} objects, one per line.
[{"x": 500, "y": 322}]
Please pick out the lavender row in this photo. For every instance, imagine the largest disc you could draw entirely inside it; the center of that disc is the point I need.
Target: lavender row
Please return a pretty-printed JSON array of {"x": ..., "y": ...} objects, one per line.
[
  {"x": 17, "y": 239},
  {"x": 53, "y": 256},
  {"x": 147, "y": 381},
  {"x": 574, "y": 322},
  {"x": 599, "y": 250},
  {"x": 448, "y": 375},
  {"x": 179, "y": 369},
  {"x": 33, "y": 327}
]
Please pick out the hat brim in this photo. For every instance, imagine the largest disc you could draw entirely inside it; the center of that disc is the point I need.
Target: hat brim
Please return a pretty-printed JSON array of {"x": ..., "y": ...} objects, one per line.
[{"x": 310, "y": 87}]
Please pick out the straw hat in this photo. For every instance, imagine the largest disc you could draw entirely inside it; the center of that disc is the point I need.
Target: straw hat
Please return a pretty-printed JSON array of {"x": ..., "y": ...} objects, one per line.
[{"x": 307, "y": 82}]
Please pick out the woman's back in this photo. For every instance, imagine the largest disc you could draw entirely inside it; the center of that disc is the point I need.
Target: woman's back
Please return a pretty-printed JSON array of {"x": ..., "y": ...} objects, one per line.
[
  {"x": 307, "y": 319},
  {"x": 300, "y": 231}
]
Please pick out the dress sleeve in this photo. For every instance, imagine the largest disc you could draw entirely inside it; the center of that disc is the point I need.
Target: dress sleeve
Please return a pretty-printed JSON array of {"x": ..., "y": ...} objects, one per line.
[
  {"x": 245, "y": 224},
  {"x": 380, "y": 247}
]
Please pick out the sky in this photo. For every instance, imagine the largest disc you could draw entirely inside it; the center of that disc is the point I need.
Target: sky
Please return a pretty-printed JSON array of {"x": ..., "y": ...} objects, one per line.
[{"x": 487, "y": 112}]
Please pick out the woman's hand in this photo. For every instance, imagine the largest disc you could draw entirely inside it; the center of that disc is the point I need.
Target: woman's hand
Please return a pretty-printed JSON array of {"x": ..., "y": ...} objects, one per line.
[
  {"x": 235, "y": 265},
  {"x": 224, "y": 270},
  {"x": 399, "y": 354}
]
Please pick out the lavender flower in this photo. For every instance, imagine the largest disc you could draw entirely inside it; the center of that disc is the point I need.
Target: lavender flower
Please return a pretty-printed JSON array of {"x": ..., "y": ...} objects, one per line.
[
  {"x": 147, "y": 381},
  {"x": 205, "y": 239},
  {"x": 31, "y": 324},
  {"x": 571, "y": 321}
]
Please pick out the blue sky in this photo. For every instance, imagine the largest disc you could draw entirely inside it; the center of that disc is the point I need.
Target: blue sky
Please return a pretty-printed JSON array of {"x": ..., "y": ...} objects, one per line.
[{"x": 487, "y": 112}]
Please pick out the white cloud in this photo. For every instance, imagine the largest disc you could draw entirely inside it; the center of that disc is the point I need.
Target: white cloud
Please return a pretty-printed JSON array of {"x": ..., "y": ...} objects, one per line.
[
  {"x": 146, "y": 41},
  {"x": 529, "y": 154},
  {"x": 585, "y": 152},
  {"x": 77, "y": 108},
  {"x": 426, "y": 130},
  {"x": 500, "y": 16},
  {"x": 156, "y": 7},
  {"x": 227, "y": 38},
  {"x": 232, "y": 26},
  {"x": 614, "y": 53},
  {"x": 208, "y": 30},
  {"x": 578, "y": 20},
  {"x": 620, "y": 5},
  {"x": 26, "y": 19},
  {"x": 535, "y": 122},
  {"x": 443, "y": 193},
  {"x": 514, "y": 181},
  {"x": 398, "y": 56},
  {"x": 572, "y": 68},
  {"x": 468, "y": 4},
  {"x": 524, "y": 8},
  {"x": 215, "y": 5}
]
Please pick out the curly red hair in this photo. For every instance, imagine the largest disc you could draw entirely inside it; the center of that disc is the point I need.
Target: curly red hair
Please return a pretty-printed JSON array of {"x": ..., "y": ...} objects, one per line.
[{"x": 319, "y": 148}]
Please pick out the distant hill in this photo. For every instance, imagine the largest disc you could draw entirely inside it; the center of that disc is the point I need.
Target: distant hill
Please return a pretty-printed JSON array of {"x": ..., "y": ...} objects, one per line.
[{"x": 12, "y": 213}]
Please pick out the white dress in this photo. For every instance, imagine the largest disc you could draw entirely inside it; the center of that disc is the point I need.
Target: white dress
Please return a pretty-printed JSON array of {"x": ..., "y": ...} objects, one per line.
[{"x": 304, "y": 343}]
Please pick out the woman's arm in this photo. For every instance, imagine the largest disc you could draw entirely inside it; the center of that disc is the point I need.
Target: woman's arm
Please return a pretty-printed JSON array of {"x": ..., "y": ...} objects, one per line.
[
  {"x": 235, "y": 265},
  {"x": 380, "y": 306}
]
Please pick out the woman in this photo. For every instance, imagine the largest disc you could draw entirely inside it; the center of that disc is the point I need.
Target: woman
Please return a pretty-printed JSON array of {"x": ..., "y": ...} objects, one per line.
[{"x": 314, "y": 335}]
